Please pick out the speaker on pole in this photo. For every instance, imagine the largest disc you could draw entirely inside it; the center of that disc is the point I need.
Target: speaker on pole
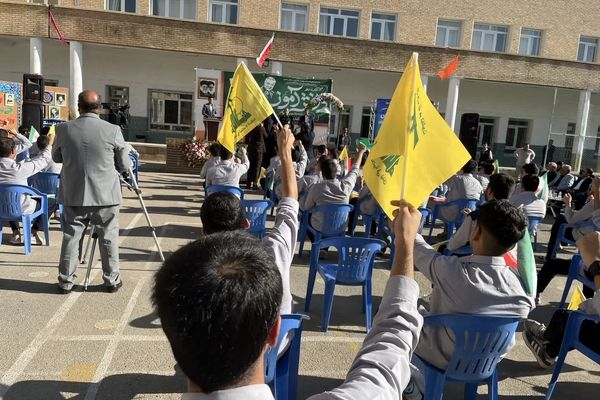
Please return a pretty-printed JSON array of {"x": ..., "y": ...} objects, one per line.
[
  {"x": 33, "y": 101},
  {"x": 469, "y": 132}
]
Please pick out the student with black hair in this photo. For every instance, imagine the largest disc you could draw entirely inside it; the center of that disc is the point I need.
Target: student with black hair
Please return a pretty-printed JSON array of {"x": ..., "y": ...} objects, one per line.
[
  {"x": 218, "y": 300},
  {"x": 228, "y": 171},
  {"x": 483, "y": 174},
  {"x": 214, "y": 151},
  {"x": 527, "y": 199},
  {"x": 499, "y": 188},
  {"x": 478, "y": 284},
  {"x": 43, "y": 143},
  {"x": 311, "y": 168}
]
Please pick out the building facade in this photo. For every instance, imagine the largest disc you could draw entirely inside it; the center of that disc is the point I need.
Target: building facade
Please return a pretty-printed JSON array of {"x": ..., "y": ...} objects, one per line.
[{"x": 529, "y": 68}]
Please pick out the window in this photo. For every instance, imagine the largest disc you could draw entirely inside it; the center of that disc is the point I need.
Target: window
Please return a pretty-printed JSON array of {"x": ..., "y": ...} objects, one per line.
[
  {"x": 170, "y": 111},
  {"x": 530, "y": 42},
  {"x": 185, "y": 9},
  {"x": 121, "y": 5},
  {"x": 117, "y": 95},
  {"x": 224, "y": 11},
  {"x": 569, "y": 140},
  {"x": 486, "y": 131},
  {"x": 333, "y": 21},
  {"x": 448, "y": 33},
  {"x": 50, "y": 82},
  {"x": 293, "y": 17},
  {"x": 587, "y": 49},
  {"x": 383, "y": 26},
  {"x": 366, "y": 121},
  {"x": 489, "y": 37},
  {"x": 516, "y": 134}
]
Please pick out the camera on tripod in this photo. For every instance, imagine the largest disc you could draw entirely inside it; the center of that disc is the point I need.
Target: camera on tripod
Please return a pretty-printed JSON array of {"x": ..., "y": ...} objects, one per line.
[{"x": 117, "y": 114}]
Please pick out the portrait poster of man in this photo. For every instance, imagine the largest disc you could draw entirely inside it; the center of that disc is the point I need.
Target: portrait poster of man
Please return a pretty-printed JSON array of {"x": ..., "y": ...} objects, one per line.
[
  {"x": 61, "y": 99},
  {"x": 207, "y": 88}
]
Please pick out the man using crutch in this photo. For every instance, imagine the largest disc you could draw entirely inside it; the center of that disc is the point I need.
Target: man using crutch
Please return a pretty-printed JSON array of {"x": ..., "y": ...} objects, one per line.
[{"x": 92, "y": 151}]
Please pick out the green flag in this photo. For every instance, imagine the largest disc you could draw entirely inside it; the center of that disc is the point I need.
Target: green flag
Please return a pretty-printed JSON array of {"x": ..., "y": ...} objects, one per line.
[
  {"x": 33, "y": 134},
  {"x": 543, "y": 194},
  {"x": 526, "y": 265}
]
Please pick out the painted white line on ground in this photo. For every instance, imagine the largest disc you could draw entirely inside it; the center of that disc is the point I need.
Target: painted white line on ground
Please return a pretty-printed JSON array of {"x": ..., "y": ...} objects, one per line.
[
  {"x": 331, "y": 339},
  {"x": 11, "y": 376},
  {"x": 100, "y": 338},
  {"x": 116, "y": 337}
]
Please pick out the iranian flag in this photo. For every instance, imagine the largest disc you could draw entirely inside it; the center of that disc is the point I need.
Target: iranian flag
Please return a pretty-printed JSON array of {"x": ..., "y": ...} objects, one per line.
[{"x": 264, "y": 54}]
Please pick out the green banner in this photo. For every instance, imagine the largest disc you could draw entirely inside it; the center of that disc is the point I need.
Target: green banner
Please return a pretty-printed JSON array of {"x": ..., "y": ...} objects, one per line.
[{"x": 293, "y": 93}]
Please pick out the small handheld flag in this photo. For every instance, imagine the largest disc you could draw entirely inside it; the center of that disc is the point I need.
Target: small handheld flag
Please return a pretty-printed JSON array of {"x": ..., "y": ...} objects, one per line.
[
  {"x": 450, "y": 69},
  {"x": 246, "y": 107},
  {"x": 526, "y": 265},
  {"x": 576, "y": 299},
  {"x": 52, "y": 131},
  {"x": 264, "y": 54},
  {"x": 33, "y": 135},
  {"x": 412, "y": 134}
]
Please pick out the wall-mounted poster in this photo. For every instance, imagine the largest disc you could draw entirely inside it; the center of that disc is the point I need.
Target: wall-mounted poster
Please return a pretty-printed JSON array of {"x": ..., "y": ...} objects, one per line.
[
  {"x": 56, "y": 103},
  {"x": 9, "y": 100},
  {"x": 207, "y": 87},
  {"x": 60, "y": 99},
  {"x": 10, "y": 104}
]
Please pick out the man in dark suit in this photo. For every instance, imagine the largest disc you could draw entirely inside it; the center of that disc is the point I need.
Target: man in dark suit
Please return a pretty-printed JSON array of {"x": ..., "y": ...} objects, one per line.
[
  {"x": 579, "y": 190},
  {"x": 306, "y": 134},
  {"x": 93, "y": 153},
  {"x": 208, "y": 111},
  {"x": 308, "y": 119},
  {"x": 286, "y": 118}
]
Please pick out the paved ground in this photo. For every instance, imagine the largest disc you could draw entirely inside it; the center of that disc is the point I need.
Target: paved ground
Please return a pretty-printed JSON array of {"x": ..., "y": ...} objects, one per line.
[{"x": 97, "y": 345}]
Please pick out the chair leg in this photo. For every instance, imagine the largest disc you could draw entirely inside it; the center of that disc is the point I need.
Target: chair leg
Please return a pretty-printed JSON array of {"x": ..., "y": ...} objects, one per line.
[
  {"x": 431, "y": 230},
  {"x": 327, "y": 304},
  {"x": 492, "y": 386},
  {"x": 27, "y": 234},
  {"x": 568, "y": 284},
  {"x": 368, "y": 303},
  {"x": 312, "y": 274},
  {"x": 470, "y": 391},
  {"x": 302, "y": 239},
  {"x": 558, "y": 366},
  {"x": 46, "y": 218}
]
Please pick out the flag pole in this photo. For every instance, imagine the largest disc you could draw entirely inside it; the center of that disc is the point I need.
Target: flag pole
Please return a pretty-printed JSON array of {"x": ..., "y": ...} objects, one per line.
[{"x": 415, "y": 55}]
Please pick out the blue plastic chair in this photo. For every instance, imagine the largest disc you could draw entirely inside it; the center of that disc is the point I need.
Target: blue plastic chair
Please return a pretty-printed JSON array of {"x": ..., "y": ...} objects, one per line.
[
  {"x": 10, "y": 210},
  {"x": 358, "y": 214},
  {"x": 460, "y": 205},
  {"x": 256, "y": 212},
  {"x": 533, "y": 225},
  {"x": 561, "y": 234},
  {"x": 571, "y": 342},
  {"x": 335, "y": 217},
  {"x": 481, "y": 342},
  {"x": 223, "y": 188},
  {"x": 354, "y": 268},
  {"x": 575, "y": 274},
  {"x": 47, "y": 183},
  {"x": 461, "y": 251},
  {"x": 22, "y": 156},
  {"x": 282, "y": 374}
]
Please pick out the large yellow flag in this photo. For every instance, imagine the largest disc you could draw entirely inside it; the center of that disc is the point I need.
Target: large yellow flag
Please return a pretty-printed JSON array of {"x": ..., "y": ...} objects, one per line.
[
  {"x": 246, "y": 107},
  {"x": 415, "y": 150}
]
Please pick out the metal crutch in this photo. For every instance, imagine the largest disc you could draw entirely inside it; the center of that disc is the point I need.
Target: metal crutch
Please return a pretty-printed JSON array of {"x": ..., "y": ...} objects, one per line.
[
  {"x": 94, "y": 239},
  {"x": 83, "y": 254}
]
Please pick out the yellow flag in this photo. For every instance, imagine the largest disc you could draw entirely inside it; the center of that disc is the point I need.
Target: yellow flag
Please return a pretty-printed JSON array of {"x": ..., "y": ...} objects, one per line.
[
  {"x": 576, "y": 299},
  {"x": 246, "y": 107},
  {"x": 52, "y": 131},
  {"x": 344, "y": 154},
  {"x": 415, "y": 150}
]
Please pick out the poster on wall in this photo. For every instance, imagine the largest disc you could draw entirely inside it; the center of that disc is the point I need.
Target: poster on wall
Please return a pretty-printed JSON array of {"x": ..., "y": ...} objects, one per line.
[
  {"x": 56, "y": 103},
  {"x": 10, "y": 104},
  {"x": 208, "y": 86}
]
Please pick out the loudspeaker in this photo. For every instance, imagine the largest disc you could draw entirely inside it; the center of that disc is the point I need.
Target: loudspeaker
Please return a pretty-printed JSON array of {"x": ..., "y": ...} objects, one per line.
[
  {"x": 469, "y": 132},
  {"x": 33, "y": 101}
]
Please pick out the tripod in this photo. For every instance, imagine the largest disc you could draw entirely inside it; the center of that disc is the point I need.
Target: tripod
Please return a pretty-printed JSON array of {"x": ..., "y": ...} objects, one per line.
[{"x": 94, "y": 235}]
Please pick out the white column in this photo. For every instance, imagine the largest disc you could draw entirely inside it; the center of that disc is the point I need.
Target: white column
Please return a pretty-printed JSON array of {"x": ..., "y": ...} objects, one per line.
[
  {"x": 276, "y": 68},
  {"x": 242, "y": 60},
  {"x": 35, "y": 56},
  {"x": 76, "y": 75},
  {"x": 583, "y": 112},
  {"x": 425, "y": 80},
  {"x": 452, "y": 101}
]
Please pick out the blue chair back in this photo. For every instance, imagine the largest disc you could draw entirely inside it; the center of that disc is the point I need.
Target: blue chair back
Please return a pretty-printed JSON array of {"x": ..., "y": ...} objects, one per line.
[
  {"x": 334, "y": 218},
  {"x": 481, "y": 342},
  {"x": 425, "y": 213},
  {"x": 575, "y": 274},
  {"x": 224, "y": 188},
  {"x": 533, "y": 224},
  {"x": 10, "y": 200},
  {"x": 22, "y": 156},
  {"x": 562, "y": 230},
  {"x": 256, "y": 212},
  {"x": 45, "y": 182},
  {"x": 459, "y": 204},
  {"x": 355, "y": 257}
]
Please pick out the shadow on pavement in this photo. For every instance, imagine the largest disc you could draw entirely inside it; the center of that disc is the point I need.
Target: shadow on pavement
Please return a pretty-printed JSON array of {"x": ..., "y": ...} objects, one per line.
[
  {"x": 34, "y": 287},
  {"x": 309, "y": 385},
  {"x": 149, "y": 321}
]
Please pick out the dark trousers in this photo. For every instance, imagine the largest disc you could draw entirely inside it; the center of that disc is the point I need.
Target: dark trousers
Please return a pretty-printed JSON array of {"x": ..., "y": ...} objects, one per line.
[
  {"x": 35, "y": 224},
  {"x": 560, "y": 219},
  {"x": 256, "y": 160},
  {"x": 588, "y": 334},
  {"x": 553, "y": 267}
]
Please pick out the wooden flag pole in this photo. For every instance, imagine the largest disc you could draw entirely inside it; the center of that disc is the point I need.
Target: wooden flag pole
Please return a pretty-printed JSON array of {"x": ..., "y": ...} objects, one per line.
[{"x": 415, "y": 55}]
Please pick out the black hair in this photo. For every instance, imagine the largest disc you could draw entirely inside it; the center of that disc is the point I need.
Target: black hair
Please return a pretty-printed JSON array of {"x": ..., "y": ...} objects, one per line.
[
  {"x": 333, "y": 153},
  {"x": 589, "y": 171},
  {"x": 87, "y": 107},
  {"x": 296, "y": 154},
  {"x": 488, "y": 169},
  {"x": 530, "y": 183},
  {"x": 321, "y": 149},
  {"x": 3, "y": 133},
  {"x": 531, "y": 169},
  {"x": 7, "y": 146},
  {"x": 45, "y": 131},
  {"x": 328, "y": 167},
  {"x": 504, "y": 222},
  {"x": 501, "y": 185},
  {"x": 222, "y": 211},
  {"x": 224, "y": 153},
  {"x": 43, "y": 142},
  {"x": 214, "y": 149},
  {"x": 217, "y": 299},
  {"x": 469, "y": 167},
  {"x": 363, "y": 161}
]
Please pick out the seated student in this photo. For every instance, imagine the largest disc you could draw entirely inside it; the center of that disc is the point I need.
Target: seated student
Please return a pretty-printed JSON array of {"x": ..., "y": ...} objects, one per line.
[
  {"x": 527, "y": 199},
  {"x": 478, "y": 284},
  {"x": 213, "y": 150},
  {"x": 499, "y": 188},
  {"x": 42, "y": 143},
  {"x": 218, "y": 300},
  {"x": 15, "y": 173},
  {"x": 545, "y": 342},
  {"x": 299, "y": 161},
  {"x": 331, "y": 190},
  {"x": 22, "y": 143},
  {"x": 311, "y": 168},
  {"x": 483, "y": 175},
  {"x": 564, "y": 180},
  {"x": 226, "y": 171}
]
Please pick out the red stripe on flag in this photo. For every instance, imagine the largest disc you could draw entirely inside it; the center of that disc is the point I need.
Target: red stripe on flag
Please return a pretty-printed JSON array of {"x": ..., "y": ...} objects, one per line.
[
  {"x": 264, "y": 54},
  {"x": 450, "y": 69},
  {"x": 61, "y": 35}
]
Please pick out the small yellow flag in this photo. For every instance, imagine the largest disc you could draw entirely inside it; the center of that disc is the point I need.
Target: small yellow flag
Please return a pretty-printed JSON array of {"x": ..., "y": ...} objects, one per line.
[
  {"x": 415, "y": 150},
  {"x": 344, "y": 154},
  {"x": 246, "y": 107},
  {"x": 576, "y": 299},
  {"x": 52, "y": 131}
]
